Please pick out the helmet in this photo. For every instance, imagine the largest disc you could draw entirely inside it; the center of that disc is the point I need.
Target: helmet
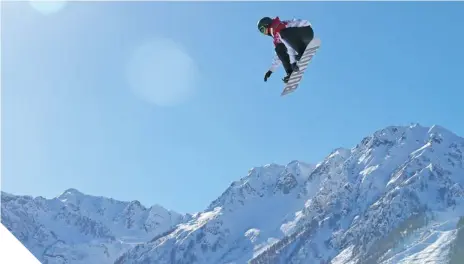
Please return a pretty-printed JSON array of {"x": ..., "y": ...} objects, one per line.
[{"x": 263, "y": 23}]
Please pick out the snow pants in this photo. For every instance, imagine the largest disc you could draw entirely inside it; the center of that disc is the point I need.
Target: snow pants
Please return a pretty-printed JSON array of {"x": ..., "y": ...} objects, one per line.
[{"x": 298, "y": 38}]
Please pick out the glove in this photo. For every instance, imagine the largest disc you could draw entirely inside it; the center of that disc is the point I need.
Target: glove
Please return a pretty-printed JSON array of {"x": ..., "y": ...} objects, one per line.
[{"x": 268, "y": 74}]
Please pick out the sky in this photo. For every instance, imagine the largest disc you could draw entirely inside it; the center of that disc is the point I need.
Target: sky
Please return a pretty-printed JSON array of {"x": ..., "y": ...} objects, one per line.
[{"x": 165, "y": 102}]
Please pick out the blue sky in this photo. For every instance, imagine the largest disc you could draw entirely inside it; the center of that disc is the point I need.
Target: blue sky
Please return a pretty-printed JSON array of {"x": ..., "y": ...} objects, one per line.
[{"x": 71, "y": 118}]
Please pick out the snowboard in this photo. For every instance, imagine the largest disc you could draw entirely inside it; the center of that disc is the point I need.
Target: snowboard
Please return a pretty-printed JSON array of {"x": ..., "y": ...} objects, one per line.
[{"x": 295, "y": 77}]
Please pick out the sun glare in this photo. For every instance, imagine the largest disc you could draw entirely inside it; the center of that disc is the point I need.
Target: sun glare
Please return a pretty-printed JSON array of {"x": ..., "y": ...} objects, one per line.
[
  {"x": 47, "y": 7},
  {"x": 162, "y": 72}
]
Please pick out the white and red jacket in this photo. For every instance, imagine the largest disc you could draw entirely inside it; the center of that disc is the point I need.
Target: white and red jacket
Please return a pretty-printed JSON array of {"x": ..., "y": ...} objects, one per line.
[{"x": 274, "y": 29}]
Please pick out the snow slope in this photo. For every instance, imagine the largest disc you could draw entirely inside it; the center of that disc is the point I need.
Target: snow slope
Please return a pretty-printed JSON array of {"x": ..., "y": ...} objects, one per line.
[
  {"x": 396, "y": 197},
  {"x": 79, "y": 228},
  {"x": 243, "y": 221}
]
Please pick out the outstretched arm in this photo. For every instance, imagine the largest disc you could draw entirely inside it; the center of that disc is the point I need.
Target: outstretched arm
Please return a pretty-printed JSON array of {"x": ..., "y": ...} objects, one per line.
[{"x": 275, "y": 63}]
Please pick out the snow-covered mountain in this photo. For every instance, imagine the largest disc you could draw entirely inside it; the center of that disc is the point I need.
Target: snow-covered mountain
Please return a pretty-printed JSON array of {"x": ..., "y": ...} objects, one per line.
[
  {"x": 79, "y": 228},
  {"x": 396, "y": 197}
]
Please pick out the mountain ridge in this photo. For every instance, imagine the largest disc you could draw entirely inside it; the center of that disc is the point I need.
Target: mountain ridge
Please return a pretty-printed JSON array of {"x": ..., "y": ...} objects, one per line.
[
  {"x": 402, "y": 169},
  {"x": 373, "y": 203},
  {"x": 79, "y": 228}
]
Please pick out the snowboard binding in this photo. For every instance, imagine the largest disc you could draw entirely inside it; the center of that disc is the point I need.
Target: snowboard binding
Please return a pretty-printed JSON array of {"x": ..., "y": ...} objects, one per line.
[{"x": 294, "y": 69}]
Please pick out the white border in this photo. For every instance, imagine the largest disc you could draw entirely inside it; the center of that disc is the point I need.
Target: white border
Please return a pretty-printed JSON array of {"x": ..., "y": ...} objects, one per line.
[{"x": 12, "y": 250}]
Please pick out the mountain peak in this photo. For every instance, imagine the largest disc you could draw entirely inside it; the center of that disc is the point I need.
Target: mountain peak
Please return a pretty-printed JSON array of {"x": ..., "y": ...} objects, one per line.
[
  {"x": 376, "y": 202},
  {"x": 83, "y": 228},
  {"x": 345, "y": 209},
  {"x": 71, "y": 195},
  {"x": 72, "y": 191}
]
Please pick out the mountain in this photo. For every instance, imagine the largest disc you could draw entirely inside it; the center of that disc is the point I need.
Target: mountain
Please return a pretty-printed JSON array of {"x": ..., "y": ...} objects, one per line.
[
  {"x": 396, "y": 197},
  {"x": 79, "y": 228}
]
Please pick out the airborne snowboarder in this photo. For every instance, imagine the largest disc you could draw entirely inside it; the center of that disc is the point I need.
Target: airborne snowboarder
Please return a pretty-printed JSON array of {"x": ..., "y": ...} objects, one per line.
[{"x": 290, "y": 40}]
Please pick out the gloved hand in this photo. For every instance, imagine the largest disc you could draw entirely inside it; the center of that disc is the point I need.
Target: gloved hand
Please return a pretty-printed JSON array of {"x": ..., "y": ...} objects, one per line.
[{"x": 268, "y": 74}]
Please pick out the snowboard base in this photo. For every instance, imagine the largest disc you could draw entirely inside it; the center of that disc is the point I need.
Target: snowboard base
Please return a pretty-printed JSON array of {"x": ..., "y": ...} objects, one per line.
[{"x": 295, "y": 77}]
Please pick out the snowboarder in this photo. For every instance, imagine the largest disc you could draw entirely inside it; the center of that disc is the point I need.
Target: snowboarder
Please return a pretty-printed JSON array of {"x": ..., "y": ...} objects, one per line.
[{"x": 290, "y": 40}]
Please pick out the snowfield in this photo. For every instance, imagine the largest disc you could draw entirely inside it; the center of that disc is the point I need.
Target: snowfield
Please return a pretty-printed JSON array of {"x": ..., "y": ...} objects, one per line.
[{"x": 396, "y": 197}]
